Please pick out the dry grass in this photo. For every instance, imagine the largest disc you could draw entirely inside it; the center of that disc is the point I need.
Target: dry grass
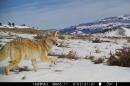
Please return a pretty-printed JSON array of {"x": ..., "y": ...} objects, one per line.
[
  {"x": 94, "y": 59},
  {"x": 83, "y": 37},
  {"x": 61, "y": 37},
  {"x": 97, "y": 50},
  {"x": 96, "y": 40},
  {"x": 71, "y": 55},
  {"x": 128, "y": 40},
  {"x": 90, "y": 58},
  {"x": 98, "y": 61},
  {"x": 23, "y": 30},
  {"x": 0, "y": 45},
  {"x": 120, "y": 58},
  {"x": 62, "y": 55},
  {"x": 62, "y": 44},
  {"x": 38, "y": 37}
]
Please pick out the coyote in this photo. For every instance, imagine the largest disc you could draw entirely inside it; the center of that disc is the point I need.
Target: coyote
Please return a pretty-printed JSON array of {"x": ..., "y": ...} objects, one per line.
[{"x": 23, "y": 48}]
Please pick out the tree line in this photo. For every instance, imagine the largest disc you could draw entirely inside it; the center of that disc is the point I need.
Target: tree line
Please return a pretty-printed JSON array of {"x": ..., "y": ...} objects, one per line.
[{"x": 9, "y": 23}]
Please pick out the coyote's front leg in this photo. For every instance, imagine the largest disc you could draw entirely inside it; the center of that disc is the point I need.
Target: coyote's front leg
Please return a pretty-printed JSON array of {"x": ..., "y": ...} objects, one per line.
[
  {"x": 52, "y": 59},
  {"x": 45, "y": 58},
  {"x": 34, "y": 64}
]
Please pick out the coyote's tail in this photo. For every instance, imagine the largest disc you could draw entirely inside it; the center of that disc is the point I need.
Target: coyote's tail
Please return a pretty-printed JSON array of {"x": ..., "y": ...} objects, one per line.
[{"x": 4, "y": 52}]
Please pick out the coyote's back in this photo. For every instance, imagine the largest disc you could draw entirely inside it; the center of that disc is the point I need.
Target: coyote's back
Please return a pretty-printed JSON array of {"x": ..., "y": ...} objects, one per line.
[{"x": 22, "y": 48}]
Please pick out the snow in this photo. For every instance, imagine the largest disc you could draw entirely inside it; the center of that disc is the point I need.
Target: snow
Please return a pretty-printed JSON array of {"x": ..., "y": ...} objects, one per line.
[
  {"x": 16, "y": 26},
  {"x": 127, "y": 17},
  {"x": 69, "y": 70},
  {"x": 125, "y": 32},
  {"x": 87, "y": 48},
  {"x": 100, "y": 26},
  {"x": 5, "y": 26},
  {"x": 113, "y": 33},
  {"x": 30, "y": 36},
  {"x": 103, "y": 26}
]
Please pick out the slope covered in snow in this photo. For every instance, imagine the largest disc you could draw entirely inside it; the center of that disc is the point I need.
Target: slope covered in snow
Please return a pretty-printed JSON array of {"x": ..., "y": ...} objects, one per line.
[
  {"x": 122, "y": 32},
  {"x": 127, "y": 31},
  {"x": 105, "y": 25}
]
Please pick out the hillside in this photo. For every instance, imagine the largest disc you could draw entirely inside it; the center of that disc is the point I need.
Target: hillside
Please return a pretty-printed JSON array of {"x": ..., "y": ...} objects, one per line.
[
  {"x": 20, "y": 29},
  {"x": 107, "y": 25}
]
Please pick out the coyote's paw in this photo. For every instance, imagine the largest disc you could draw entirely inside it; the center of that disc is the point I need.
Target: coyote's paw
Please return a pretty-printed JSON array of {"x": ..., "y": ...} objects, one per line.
[
  {"x": 53, "y": 60},
  {"x": 6, "y": 71}
]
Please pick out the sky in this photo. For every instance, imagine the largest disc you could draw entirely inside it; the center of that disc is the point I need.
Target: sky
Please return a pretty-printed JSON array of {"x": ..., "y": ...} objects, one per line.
[{"x": 58, "y": 14}]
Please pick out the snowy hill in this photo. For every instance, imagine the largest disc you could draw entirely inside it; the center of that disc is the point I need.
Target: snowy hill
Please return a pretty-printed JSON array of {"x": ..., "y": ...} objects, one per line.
[
  {"x": 106, "y": 25},
  {"x": 119, "y": 32},
  {"x": 20, "y": 29}
]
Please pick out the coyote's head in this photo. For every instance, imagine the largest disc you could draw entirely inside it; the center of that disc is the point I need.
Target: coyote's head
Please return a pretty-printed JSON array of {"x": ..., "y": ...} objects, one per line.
[{"x": 51, "y": 39}]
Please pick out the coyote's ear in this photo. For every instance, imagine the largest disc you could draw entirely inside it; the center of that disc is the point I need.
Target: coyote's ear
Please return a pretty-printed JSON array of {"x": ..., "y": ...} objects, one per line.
[
  {"x": 54, "y": 33},
  {"x": 47, "y": 34}
]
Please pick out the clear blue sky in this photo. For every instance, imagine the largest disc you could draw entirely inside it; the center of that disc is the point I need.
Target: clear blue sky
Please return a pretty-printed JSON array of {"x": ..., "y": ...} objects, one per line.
[{"x": 60, "y": 13}]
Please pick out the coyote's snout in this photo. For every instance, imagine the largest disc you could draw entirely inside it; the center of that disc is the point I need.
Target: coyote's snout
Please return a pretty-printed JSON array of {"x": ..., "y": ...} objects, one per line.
[{"x": 22, "y": 48}]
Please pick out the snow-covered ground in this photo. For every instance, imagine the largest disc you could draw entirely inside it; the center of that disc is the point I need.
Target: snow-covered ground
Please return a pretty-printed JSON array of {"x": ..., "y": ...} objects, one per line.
[
  {"x": 71, "y": 71},
  {"x": 80, "y": 70},
  {"x": 85, "y": 48}
]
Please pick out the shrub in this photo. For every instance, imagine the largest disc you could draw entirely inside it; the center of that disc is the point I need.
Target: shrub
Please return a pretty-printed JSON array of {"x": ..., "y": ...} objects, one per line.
[
  {"x": 96, "y": 40},
  {"x": 13, "y": 24},
  {"x": 9, "y": 23},
  {"x": 95, "y": 60},
  {"x": 71, "y": 55},
  {"x": 128, "y": 40},
  {"x": 90, "y": 58},
  {"x": 97, "y": 50},
  {"x": 0, "y": 45},
  {"x": 38, "y": 37},
  {"x": 0, "y": 24},
  {"x": 61, "y": 55},
  {"x": 98, "y": 61},
  {"x": 62, "y": 44},
  {"x": 23, "y": 25},
  {"x": 62, "y": 37},
  {"x": 78, "y": 37},
  {"x": 120, "y": 58}
]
